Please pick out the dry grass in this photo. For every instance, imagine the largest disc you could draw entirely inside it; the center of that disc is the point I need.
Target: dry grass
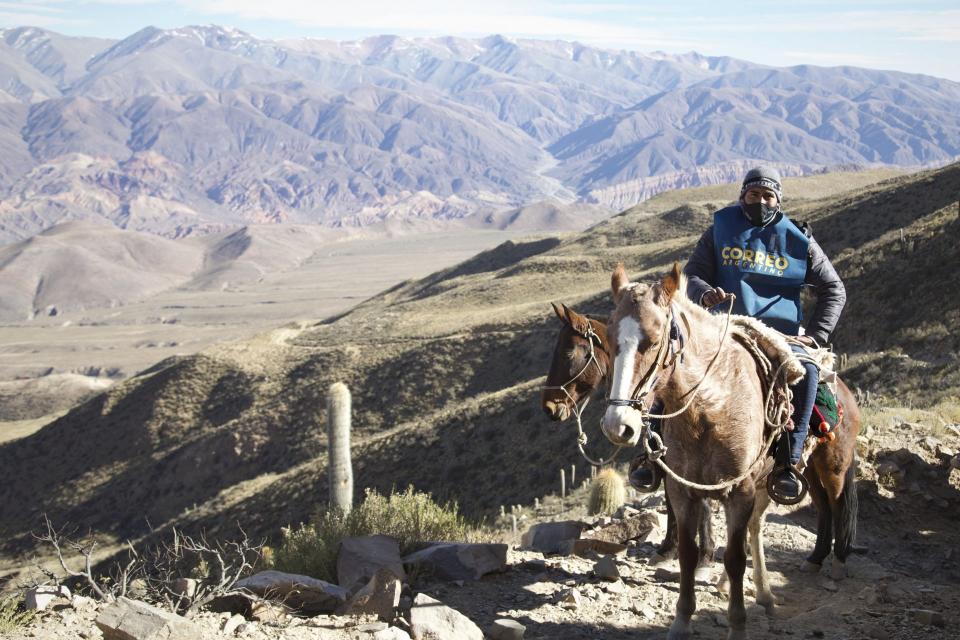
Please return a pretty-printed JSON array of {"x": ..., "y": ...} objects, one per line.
[{"x": 411, "y": 517}]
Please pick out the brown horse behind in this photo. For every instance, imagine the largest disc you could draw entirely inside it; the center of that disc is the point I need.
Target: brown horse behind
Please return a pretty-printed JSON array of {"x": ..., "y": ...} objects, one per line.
[{"x": 719, "y": 436}]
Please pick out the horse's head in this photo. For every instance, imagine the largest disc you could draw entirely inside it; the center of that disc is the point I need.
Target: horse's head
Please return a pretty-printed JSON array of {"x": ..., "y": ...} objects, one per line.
[
  {"x": 639, "y": 333},
  {"x": 579, "y": 363}
]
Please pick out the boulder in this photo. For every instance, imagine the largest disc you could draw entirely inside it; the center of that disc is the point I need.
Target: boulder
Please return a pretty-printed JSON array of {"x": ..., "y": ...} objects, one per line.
[
  {"x": 127, "y": 619},
  {"x": 449, "y": 561},
  {"x": 549, "y": 537},
  {"x": 380, "y": 596},
  {"x": 359, "y": 559},
  {"x": 42, "y": 596},
  {"x": 303, "y": 593},
  {"x": 432, "y": 619}
]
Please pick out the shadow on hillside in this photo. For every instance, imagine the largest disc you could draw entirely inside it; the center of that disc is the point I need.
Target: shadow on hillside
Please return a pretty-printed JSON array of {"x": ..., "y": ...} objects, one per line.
[
  {"x": 887, "y": 210},
  {"x": 503, "y": 255},
  {"x": 906, "y": 293},
  {"x": 125, "y": 457}
]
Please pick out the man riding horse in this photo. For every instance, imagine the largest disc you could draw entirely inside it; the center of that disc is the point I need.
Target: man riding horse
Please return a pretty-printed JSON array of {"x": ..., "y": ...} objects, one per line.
[{"x": 754, "y": 251}]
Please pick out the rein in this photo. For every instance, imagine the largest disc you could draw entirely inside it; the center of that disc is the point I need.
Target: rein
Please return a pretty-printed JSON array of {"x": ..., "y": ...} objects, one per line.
[
  {"x": 578, "y": 410},
  {"x": 646, "y": 384}
]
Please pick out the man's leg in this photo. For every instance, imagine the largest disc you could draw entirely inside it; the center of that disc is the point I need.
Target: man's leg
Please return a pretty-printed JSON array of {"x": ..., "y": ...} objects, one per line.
[
  {"x": 641, "y": 474},
  {"x": 804, "y": 396}
]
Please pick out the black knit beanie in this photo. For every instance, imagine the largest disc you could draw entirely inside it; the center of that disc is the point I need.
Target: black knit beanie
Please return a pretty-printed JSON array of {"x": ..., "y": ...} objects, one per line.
[{"x": 763, "y": 176}]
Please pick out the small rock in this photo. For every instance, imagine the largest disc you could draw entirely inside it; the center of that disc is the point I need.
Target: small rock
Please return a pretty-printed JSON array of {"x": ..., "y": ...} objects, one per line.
[
  {"x": 380, "y": 596},
  {"x": 888, "y": 468},
  {"x": 373, "y": 627},
  {"x": 606, "y": 569},
  {"x": 876, "y": 632},
  {"x": 720, "y": 620},
  {"x": 449, "y": 561},
  {"x": 391, "y": 633},
  {"x": 955, "y": 462},
  {"x": 927, "y": 617},
  {"x": 830, "y": 586},
  {"x": 303, "y": 593},
  {"x": 506, "y": 629},
  {"x": 41, "y": 597},
  {"x": 644, "y": 610},
  {"x": 232, "y": 624},
  {"x": 570, "y": 599},
  {"x": 547, "y": 537},
  {"x": 359, "y": 558},
  {"x": 431, "y": 618},
  {"x": 614, "y": 587},
  {"x": 585, "y": 546},
  {"x": 126, "y": 619},
  {"x": 184, "y": 587}
]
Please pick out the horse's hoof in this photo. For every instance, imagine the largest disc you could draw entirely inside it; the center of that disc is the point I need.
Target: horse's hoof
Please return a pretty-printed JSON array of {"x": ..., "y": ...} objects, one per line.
[
  {"x": 838, "y": 570},
  {"x": 736, "y": 635},
  {"x": 809, "y": 567},
  {"x": 769, "y": 604},
  {"x": 679, "y": 631}
]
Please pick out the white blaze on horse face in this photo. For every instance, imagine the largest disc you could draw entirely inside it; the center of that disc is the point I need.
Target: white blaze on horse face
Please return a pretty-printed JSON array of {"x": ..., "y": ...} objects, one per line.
[{"x": 629, "y": 335}]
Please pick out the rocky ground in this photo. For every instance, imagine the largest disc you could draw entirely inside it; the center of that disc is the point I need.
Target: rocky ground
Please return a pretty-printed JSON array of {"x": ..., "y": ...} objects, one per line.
[{"x": 906, "y": 586}]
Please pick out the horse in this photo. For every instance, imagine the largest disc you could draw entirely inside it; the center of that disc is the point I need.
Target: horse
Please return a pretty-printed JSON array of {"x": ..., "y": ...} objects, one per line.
[
  {"x": 717, "y": 445},
  {"x": 580, "y": 363}
]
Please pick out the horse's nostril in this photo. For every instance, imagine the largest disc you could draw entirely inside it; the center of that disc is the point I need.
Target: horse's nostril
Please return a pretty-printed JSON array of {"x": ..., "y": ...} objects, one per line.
[{"x": 626, "y": 432}]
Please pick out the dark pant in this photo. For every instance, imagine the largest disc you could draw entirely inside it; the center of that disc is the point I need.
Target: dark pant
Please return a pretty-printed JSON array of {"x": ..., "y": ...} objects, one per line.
[{"x": 804, "y": 396}]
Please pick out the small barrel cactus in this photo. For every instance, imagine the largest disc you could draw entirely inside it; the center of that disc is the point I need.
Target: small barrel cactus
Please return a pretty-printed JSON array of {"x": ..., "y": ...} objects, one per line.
[{"x": 608, "y": 493}]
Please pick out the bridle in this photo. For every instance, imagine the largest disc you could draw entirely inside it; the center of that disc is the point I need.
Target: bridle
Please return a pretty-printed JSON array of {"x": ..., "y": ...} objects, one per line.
[
  {"x": 591, "y": 335},
  {"x": 665, "y": 351}
]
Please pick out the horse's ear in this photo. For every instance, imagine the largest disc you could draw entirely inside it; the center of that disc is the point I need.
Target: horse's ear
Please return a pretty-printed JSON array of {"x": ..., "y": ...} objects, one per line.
[
  {"x": 618, "y": 281},
  {"x": 670, "y": 283},
  {"x": 579, "y": 322},
  {"x": 561, "y": 311}
]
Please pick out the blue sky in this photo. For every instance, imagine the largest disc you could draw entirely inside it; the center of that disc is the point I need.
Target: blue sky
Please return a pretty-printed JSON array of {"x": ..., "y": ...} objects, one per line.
[{"x": 921, "y": 36}]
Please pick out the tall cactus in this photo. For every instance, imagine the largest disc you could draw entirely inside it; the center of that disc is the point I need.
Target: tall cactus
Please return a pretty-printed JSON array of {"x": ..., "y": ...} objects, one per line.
[{"x": 338, "y": 432}]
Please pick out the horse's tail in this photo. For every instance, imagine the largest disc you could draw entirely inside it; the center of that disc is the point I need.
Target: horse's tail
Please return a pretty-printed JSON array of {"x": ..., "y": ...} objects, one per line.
[{"x": 845, "y": 514}]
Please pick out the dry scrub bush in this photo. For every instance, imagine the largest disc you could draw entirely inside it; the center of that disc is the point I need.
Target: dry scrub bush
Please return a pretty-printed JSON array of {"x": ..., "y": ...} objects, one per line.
[
  {"x": 13, "y": 616},
  {"x": 410, "y": 517}
]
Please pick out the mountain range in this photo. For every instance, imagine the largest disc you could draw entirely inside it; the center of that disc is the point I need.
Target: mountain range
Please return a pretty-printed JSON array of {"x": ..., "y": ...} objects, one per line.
[{"x": 201, "y": 129}]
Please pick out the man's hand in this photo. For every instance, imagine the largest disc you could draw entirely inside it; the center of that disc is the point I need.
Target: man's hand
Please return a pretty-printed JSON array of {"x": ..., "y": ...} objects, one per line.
[{"x": 714, "y": 297}]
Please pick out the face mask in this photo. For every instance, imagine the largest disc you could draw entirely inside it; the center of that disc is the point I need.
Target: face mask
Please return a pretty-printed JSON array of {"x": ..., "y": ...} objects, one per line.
[{"x": 759, "y": 213}]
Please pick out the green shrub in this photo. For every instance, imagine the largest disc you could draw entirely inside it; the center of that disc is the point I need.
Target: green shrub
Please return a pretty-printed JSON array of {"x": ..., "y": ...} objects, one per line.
[
  {"x": 11, "y": 616},
  {"x": 410, "y": 517}
]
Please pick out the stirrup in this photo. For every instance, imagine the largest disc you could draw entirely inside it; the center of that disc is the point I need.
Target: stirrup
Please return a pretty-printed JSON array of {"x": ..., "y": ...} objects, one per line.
[
  {"x": 654, "y": 472},
  {"x": 780, "y": 498}
]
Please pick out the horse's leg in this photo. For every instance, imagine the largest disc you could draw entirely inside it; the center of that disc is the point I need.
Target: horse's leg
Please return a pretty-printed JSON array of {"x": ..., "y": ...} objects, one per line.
[
  {"x": 739, "y": 508},
  {"x": 687, "y": 511},
  {"x": 668, "y": 548},
  {"x": 708, "y": 545},
  {"x": 761, "y": 580},
  {"x": 844, "y": 509},
  {"x": 824, "y": 518}
]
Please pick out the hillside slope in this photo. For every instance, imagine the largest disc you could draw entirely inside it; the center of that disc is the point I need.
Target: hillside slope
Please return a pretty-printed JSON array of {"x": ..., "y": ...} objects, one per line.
[{"x": 445, "y": 374}]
